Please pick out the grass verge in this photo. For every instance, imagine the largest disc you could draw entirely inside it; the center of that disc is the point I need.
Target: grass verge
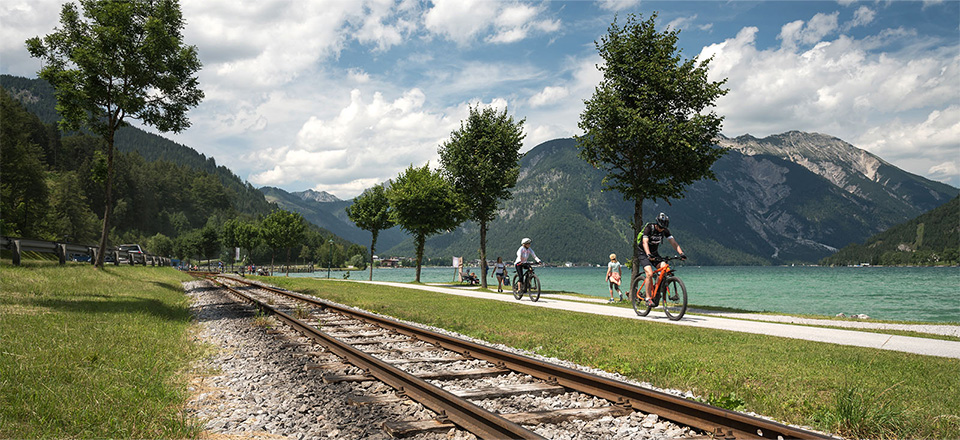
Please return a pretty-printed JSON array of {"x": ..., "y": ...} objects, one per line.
[
  {"x": 830, "y": 387},
  {"x": 93, "y": 354}
]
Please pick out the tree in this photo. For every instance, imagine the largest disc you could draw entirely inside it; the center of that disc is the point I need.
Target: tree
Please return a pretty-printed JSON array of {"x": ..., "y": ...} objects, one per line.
[
  {"x": 423, "y": 203},
  {"x": 208, "y": 244},
  {"x": 370, "y": 212},
  {"x": 282, "y": 230},
  {"x": 305, "y": 253},
  {"x": 120, "y": 60},
  {"x": 23, "y": 192},
  {"x": 160, "y": 245},
  {"x": 646, "y": 124},
  {"x": 70, "y": 217},
  {"x": 248, "y": 236},
  {"x": 481, "y": 159}
]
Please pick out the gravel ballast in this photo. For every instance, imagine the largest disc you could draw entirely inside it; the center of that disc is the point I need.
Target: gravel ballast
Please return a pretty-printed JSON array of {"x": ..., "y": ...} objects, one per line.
[{"x": 256, "y": 384}]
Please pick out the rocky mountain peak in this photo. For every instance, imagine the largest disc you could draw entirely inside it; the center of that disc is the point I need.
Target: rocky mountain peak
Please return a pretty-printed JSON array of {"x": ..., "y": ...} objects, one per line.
[
  {"x": 829, "y": 157},
  {"x": 316, "y": 196}
]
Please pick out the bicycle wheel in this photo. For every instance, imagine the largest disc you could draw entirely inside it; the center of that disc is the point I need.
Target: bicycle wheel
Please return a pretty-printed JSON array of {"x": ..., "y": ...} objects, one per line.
[
  {"x": 516, "y": 288},
  {"x": 639, "y": 305},
  {"x": 533, "y": 288},
  {"x": 673, "y": 294}
]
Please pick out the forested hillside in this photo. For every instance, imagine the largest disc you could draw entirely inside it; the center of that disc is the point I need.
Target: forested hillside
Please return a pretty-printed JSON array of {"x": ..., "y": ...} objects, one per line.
[
  {"x": 930, "y": 239},
  {"x": 168, "y": 197}
]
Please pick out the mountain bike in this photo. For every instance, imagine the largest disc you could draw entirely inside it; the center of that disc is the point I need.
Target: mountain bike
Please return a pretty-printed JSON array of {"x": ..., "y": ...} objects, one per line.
[
  {"x": 531, "y": 284},
  {"x": 667, "y": 288}
]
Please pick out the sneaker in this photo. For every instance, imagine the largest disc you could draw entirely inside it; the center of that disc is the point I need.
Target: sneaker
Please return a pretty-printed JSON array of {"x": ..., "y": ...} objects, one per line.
[
  {"x": 609, "y": 300},
  {"x": 621, "y": 298}
]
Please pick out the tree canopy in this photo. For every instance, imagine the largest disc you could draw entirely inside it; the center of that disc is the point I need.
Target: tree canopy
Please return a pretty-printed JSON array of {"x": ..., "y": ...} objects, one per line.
[
  {"x": 481, "y": 160},
  {"x": 370, "y": 212},
  {"x": 647, "y": 123},
  {"x": 283, "y": 230},
  {"x": 423, "y": 203},
  {"x": 119, "y": 60}
]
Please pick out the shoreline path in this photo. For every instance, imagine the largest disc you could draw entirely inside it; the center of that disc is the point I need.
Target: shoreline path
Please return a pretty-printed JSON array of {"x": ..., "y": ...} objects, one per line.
[{"x": 772, "y": 325}]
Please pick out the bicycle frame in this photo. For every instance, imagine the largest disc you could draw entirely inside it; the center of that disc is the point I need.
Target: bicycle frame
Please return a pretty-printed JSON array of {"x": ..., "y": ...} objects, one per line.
[{"x": 660, "y": 273}]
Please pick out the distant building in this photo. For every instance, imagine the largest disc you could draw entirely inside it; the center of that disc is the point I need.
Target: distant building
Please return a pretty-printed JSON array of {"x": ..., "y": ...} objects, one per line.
[{"x": 390, "y": 262}]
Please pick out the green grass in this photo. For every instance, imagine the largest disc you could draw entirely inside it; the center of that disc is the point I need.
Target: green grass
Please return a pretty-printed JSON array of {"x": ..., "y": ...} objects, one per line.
[
  {"x": 94, "y": 354},
  {"x": 852, "y": 391}
]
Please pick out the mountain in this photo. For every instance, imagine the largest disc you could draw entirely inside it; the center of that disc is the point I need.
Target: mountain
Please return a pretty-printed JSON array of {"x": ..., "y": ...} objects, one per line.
[
  {"x": 854, "y": 170},
  {"x": 931, "y": 238},
  {"x": 790, "y": 198},
  {"x": 37, "y": 97},
  {"x": 321, "y": 196},
  {"x": 330, "y": 215}
]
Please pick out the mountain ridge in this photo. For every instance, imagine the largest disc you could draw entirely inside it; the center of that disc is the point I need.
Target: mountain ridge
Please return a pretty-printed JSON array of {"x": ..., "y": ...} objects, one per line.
[{"x": 767, "y": 206}]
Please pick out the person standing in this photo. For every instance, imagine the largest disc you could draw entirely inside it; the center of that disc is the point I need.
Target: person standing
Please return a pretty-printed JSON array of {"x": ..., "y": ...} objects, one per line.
[
  {"x": 500, "y": 271},
  {"x": 614, "y": 275}
]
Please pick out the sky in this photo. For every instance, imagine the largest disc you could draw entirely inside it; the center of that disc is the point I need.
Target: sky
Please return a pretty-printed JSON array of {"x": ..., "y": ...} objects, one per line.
[{"x": 339, "y": 96}]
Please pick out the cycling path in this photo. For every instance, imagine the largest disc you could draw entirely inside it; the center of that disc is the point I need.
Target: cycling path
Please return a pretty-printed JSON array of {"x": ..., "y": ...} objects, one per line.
[{"x": 739, "y": 322}]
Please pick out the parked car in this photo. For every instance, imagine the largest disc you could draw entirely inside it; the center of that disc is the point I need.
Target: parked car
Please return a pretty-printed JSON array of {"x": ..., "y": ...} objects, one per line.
[
  {"x": 132, "y": 249},
  {"x": 84, "y": 258}
]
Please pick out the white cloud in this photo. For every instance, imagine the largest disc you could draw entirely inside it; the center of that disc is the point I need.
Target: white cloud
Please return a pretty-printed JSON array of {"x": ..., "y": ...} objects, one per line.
[
  {"x": 936, "y": 136},
  {"x": 20, "y": 20},
  {"x": 462, "y": 21},
  {"x": 681, "y": 23},
  {"x": 368, "y": 141},
  {"x": 863, "y": 16},
  {"x": 617, "y": 5},
  {"x": 808, "y": 33},
  {"x": 548, "y": 95},
  {"x": 358, "y": 76}
]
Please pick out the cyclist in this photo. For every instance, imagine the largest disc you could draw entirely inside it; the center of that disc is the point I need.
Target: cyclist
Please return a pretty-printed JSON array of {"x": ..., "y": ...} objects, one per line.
[
  {"x": 649, "y": 241},
  {"x": 523, "y": 255}
]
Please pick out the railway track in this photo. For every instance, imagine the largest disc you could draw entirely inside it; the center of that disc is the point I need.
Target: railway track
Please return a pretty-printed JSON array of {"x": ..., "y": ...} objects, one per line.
[{"x": 448, "y": 374}]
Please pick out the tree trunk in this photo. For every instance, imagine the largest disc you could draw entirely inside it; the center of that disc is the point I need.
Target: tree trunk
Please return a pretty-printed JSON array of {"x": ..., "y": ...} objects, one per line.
[
  {"x": 288, "y": 261},
  {"x": 421, "y": 240},
  {"x": 637, "y": 248},
  {"x": 109, "y": 203},
  {"x": 483, "y": 254},
  {"x": 373, "y": 244}
]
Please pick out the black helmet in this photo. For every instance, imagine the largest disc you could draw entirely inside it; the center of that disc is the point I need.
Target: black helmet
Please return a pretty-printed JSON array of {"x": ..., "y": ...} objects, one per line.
[{"x": 663, "y": 220}]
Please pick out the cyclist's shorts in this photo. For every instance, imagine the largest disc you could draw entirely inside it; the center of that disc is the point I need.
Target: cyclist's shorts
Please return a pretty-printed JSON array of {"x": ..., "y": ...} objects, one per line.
[{"x": 644, "y": 261}]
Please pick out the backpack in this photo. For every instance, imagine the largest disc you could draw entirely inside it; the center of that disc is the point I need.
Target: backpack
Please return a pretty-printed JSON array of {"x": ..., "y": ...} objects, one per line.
[{"x": 640, "y": 235}]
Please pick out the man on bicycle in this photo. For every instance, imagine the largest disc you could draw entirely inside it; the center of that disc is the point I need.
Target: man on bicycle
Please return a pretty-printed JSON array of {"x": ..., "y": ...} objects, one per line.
[
  {"x": 649, "y": 241},
  {"x": 523, "y": 255}
]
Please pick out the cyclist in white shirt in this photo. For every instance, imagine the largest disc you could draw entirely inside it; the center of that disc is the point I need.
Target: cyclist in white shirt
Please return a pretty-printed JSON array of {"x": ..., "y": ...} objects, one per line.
[{"x": 523, "y": 255}]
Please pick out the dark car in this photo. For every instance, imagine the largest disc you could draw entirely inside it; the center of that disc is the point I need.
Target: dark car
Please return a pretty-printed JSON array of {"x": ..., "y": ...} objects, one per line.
[{"x": 135, "y": 251}]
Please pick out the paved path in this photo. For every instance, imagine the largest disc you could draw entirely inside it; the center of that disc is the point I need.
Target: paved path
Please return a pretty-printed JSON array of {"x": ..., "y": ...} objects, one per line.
[{"x": 907, "y": 344}]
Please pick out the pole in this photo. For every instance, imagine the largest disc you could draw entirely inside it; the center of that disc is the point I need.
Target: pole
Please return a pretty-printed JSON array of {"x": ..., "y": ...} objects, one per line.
[{"x": 330, "y": 261}]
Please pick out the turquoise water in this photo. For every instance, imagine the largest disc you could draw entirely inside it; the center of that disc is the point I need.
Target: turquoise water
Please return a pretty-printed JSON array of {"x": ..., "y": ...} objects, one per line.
[{"x": 929, "y": 294}]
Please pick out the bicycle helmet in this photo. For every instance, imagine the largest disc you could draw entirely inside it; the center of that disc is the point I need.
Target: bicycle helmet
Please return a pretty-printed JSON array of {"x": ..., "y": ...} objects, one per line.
[
  {"x": 525, "y": 241},
  {"x": 663, "y": 220}
]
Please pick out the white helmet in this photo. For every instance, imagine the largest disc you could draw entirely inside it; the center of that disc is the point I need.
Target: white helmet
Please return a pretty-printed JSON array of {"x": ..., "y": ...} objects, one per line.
[{"x": 525, "y": 241}]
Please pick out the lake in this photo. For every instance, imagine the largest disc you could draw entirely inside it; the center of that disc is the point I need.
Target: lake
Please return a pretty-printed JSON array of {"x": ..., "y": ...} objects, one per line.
[{"x": 930, "y": 294}]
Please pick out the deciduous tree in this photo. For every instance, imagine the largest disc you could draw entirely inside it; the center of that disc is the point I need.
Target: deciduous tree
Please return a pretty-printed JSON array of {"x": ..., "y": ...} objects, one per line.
[
  {"x": 370, "y": 212},
  {"x": 481, "y": 159},
  {"x": 119, "y": 60},
  {"x": 282, "y": 230},
  {"x": 648, "y": 124},
  {"x": 423, "y": 203}
]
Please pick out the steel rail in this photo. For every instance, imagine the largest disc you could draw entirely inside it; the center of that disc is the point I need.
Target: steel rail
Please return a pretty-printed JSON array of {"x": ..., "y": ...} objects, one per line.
[
  {"x": 462, "y": 412},
  {"x": 699, "y": 415}
]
